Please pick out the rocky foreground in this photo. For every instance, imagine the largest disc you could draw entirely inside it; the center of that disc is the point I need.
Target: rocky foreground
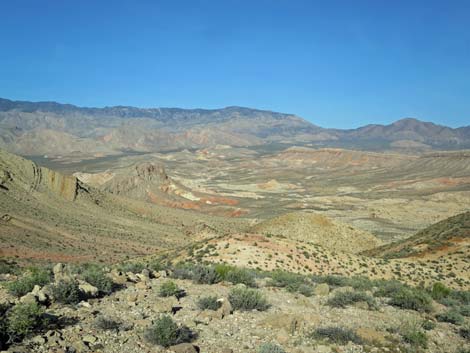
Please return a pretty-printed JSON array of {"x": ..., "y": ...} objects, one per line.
[{"x": 282, "y": 313}]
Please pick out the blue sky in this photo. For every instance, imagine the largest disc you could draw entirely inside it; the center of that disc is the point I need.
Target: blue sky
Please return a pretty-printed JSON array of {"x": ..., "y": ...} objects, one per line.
[{"x": 336, "y": 63}]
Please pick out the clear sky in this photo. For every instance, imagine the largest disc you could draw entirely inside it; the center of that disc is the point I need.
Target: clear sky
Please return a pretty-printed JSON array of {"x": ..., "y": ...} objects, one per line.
[{"x": 336, "y": 63}]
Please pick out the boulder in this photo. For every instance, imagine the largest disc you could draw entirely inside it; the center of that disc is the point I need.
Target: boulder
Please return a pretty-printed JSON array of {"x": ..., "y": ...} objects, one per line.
[
  {"x": 28, "y": 298},
  {"x": 225, "y": 309},
  {"x": 88, "y": 289}
]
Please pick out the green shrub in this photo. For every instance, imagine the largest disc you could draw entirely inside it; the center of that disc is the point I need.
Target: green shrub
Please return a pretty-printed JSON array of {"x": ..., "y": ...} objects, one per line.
[
  {"x": 24, "y": 319},
  {"x": 8, "y": 267},
  {"x": 464, "y": 310},
  {"x": 429, "y": 325},
  {"x": 209, "y": 303},
  {"x": 388, "y": 288},
  {"x": 292, "y": 282},
  {"x": 337, "y": 335},
  {"x": 411, "y": 298},
  {"x": 205, "y": 275},
  {"x": 25, "y": 284},
  {"x": 439, "y": 291},
  {"x": 156, "y": 265},
  {"x": 106, "y": 323},
  {"x": 97, "y": 278},
  {"x": 413, "y": 335},
  {"x": 270, "y": 348},
  {"x": 332, "y": 280},
  {"x": 345, "y": 298},
  {"x": 464, "y": 331},
  {"x": 66, "y": 292},
  {"x": 463, "y": 297},
  {"x": 452, "y": 316},
  {"x": 3, "y": 326},
  {"x": 168, "y": 289},
  {"x": 165, "y": 332},
  {"x": 247, "y": 299},
  {"x": 237, "y": 276},
  {"x": 134, "y": 267}
]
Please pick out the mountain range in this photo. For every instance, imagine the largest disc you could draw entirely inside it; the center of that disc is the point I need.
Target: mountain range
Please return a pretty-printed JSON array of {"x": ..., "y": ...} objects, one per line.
[{"x": 38, "y": 128}]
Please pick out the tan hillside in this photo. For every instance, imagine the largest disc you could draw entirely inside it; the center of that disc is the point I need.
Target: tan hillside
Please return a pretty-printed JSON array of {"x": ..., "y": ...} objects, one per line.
[{"x": 318, "y": 229}]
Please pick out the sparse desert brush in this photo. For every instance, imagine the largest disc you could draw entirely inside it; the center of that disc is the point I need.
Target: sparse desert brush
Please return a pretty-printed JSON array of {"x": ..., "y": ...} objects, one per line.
[
  {"x": 165, "y": 332},
  {"x": 345, "y": 298},
  {"x": 247, "y": 299},
  {"x": 66, "y": 292},
  {"x": 96, "y": 277},
  {"x": 106, "y": 323},
  {"x": 388, "y": 288},
  {"x": 270, "y": 348},
  {"x": 134, "y": 267},
  {"x": 452, "y": 316},
  {"x": 168, "y": 289},
  {"x": 439, "y": 291},
  {"x": 26, "y": 283},
  {"x": 24, "y": 319},
  {"x": 413, "y": 334},
  {"x": 464, "y": 331},
  {"x": 209, "y": 303},
  {"x": 337, "y": 335},
  {"x": 241, "y": 275},
  {"x": 204, "y": 274},
  {"x": 8, "y": 267},
  {"x": 411, "y": 298},
  {"x": 293, "y": 282}
]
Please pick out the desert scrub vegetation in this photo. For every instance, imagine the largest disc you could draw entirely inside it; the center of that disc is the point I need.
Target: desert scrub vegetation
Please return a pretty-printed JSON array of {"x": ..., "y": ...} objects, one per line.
[
  {"x": 165, "y": 332},
  {"x": 3, "y": 326},
  {"x": 345, "y": 298},
  {"x": 452, "y": 316},
  {"x": 26, "y": 283},
  {"x": 337, "y": 335},
  {"x": 356, "y": 282},
  {"x": 168, "y": 289},
  {"x": 201, "y": 274},
  {"x": 66, "y": 292},
  {"x": 292, "y": 282},
  {"x": 133, "y": 267},
  {"x": 412, "y": 333},
  {"x": 209, "y": 303},
  {"x": 106, "y": 323},
  {"x": 411, "y": 298},
  {"x": 245, "y": 299},
  {"x": 8, "y": 267},
  {"x": 95, "y": 276},
  {"x": 270, "y": 348},
  {"x": 236, "y": 275},
  {"x": 24, "y": 319}
]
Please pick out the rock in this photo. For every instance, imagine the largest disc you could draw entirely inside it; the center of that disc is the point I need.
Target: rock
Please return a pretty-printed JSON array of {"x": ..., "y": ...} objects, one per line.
[
  {"x": 59, "y": 273},
  {"x": 145, "y": 273},
  {"x": 142, "y": 285},
  {"x": 321, "y": 289},
  {"x": 40, "y": 295},
  {"x": 361, "y": 305},
  {"x": 132, "y": 277},
  {"x": 39, "y": 340},
  {"x": 166, "y": 305},
  {"x": 225, "y": 309},
  {"x": 88, "y": 289},
  {"x": 118, "y": 277},
  {"x": 90, "y": 339},
  {"x": 183, "y": 348},
  {"x": 132, "y": 298},
  {"x": 28, "y": 298},
  {"x": 80, "y": 346}
]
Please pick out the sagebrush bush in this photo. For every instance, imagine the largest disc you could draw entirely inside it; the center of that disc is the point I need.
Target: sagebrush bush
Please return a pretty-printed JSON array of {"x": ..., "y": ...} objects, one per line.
[
  {"x": 134, "y": 267},
  {"x": 247, "y": 299},
  {"x": 165, "y": 332},
  {"x": 106, "y": 323},
  {"x": 292, "y": 282},
  {"x": 26, "y": 283},
  {"x": 8, "y": 267},
  {"x": 3, "y": 326},
  {"x": 388, "y": 288},
  {"x": 96, "y": 277},
  {"x": 209, "y": 303},
  {"x": 411, "y": 298},
  {"x": 66, "y": 292},
  {"x": 439, "y": 291},
  {"x": 24, "y": 319},
  {"x": 413, "y": 335},
  {"x": 429, "y": 325},
  {"x": 205, "y": 275},
  {"x": 168, "y": 288},
  {"x": 452, "y": 316},
  {"x": 337, "y": 335},
  {"x": 270, "y": 348},
  {"x": 241, "y": 275},
  {"x": 345, "y": 298},
  {"x": 464, "y": 331}
]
